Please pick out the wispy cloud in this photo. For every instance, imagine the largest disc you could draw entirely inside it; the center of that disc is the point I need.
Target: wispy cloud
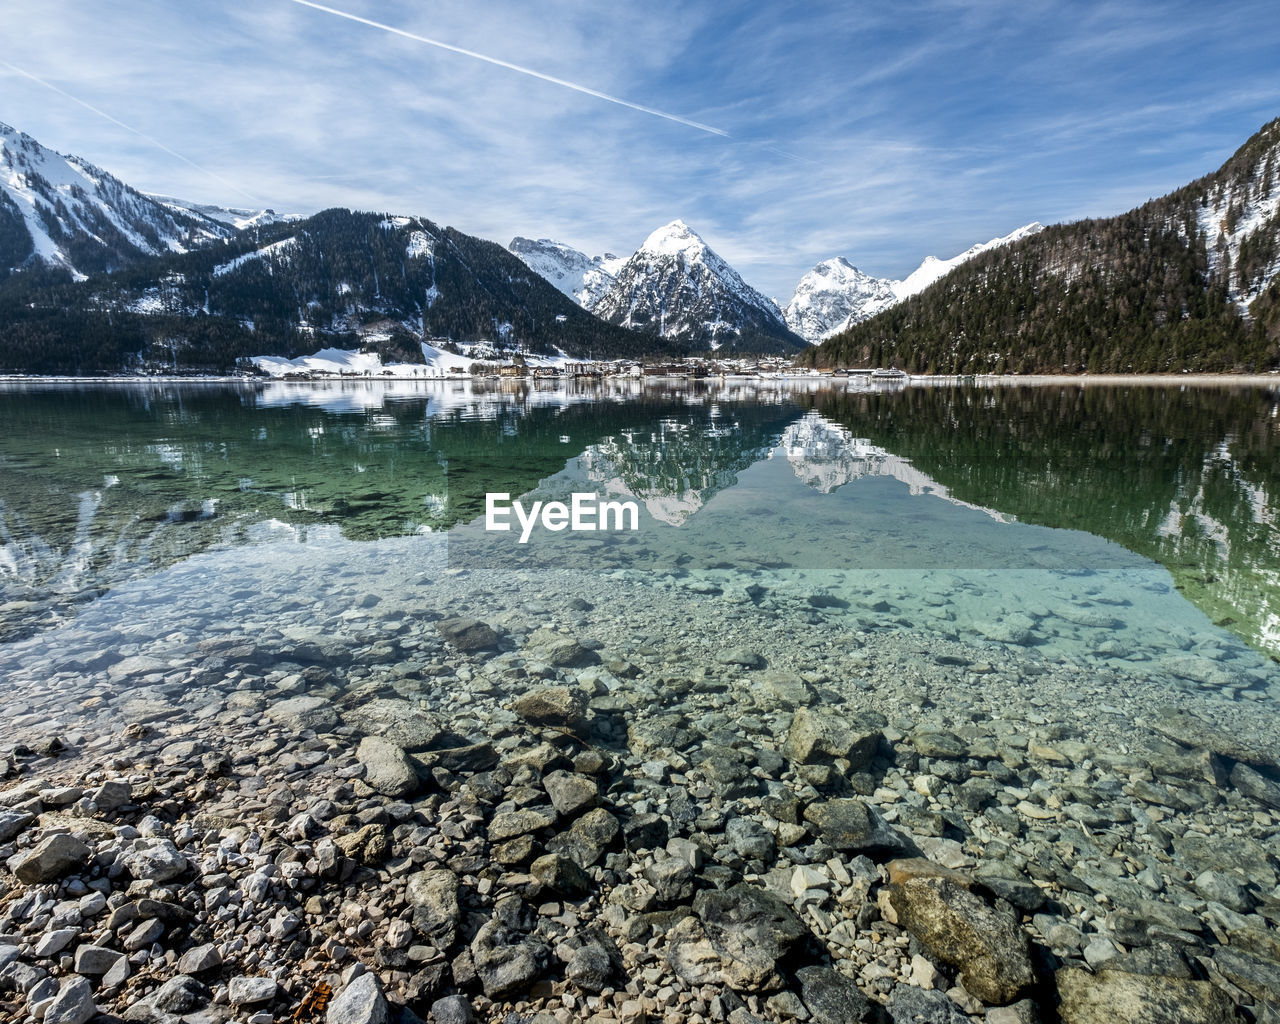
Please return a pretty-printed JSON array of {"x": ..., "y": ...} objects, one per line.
[{"x": 879, "y": 132}]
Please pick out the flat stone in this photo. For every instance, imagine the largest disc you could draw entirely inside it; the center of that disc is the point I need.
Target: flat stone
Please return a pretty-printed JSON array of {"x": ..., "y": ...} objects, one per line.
[
  {"x": 55, "y": 941},
  {"x": 53, "y": 858},
  {"x": 200, "y": 959},
  {"x": 552, "y": 705},
  {"x": 509, "y": 824},
  {"x": 848, "y": 825},
  {"x": 90, "y": 959},
  {"x": 396, "y": 720},
  {"x": 1117, "y": 997},
  {"x": 556, "y": 649},
  {"x": 743, "y": 657},
  {"x": 245, "y": 990},
  {"x": 301, "y": 713},
  {"x": 468, "y": 635}
]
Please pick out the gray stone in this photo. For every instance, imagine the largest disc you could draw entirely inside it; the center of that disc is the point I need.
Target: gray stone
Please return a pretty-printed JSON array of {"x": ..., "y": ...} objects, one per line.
[
  {"x": 958, "y": 928},
  {"x": 555, "y": 649},
  {"x": 468, "y": 635},
  {"x": 744, "y": 657},
  {"x": 738, "y": 937},
  {"x": 55, "y": 941},
  {"x": 90, "y": 959},
  {"x": 73, "y": 1004},
  {"x": 822, "y": 733},
  {"x": 671, "y": 878},
  {"x": 831, "y": 997},
  {"x": 433, "y": 895},
  {"x": 1256, "y": 786},
  {"x": 361, "y": 1002},
  {"x": 510, "y": 824},
  {"x": 918, "y": 1006},
  {"x": 200, "y": 959},
  {"x": 586, "y": 839},
  {"x": 387, "y": 767},
  {"x": 53, "y": 858},
  {"x": 848, "y": 825},
  {"x": 395, "y": 720},
  {"x": 780, "y": 688},
  {"x": 1224, "y": 888},
  {"x": 570, "y": 792},
  {"x": 452, "y": 1010},
  {"x": 13, "y": 824},
  {"x": 1117, "y": 997},
  {"x": 156, "y": 860},
  {"x": 562, "y": 875},
  {"x": 552, "y": 705},
  {"x": 179, "y": 995},
  {"x": 301, "y": 713},
  {"x": 144, "y": 934},
  {"x": 591, "y": 968},
  {"x": 112, "y": 795},
  {"x": 245, "y": 990}
]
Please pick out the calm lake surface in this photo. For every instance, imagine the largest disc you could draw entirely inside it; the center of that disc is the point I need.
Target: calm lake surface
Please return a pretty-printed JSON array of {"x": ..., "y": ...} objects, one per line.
[
  {"x": 1027, "y": 631},
  {"x": 1149, "y": 513}
]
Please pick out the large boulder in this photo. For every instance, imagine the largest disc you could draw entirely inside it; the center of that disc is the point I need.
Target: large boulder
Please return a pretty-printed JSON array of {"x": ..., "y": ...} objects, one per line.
[
  {"x": 433, "y": 895},
  {"x": 396, "y": 720},
  {"x": 53, "y": 858},
  {"x": 956, "y": 926},
  {"x": 821, "y": 733},
  {"x": 1118, "y": 997},
  {"x": 739, "y": 937},
  {"x": 387, "y": 767},
  {"x": 361, "y": 1002}
]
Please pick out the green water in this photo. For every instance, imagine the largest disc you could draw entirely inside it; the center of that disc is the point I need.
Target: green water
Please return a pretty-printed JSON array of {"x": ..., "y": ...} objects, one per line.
[{"x": 1149, "y": 513}]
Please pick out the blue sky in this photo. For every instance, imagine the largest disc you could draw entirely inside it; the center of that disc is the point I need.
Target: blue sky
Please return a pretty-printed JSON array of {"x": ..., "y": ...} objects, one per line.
[{"x": 882, "y": 132}]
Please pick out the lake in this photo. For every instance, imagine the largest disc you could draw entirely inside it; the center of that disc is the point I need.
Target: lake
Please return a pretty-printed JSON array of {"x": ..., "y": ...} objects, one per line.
[{"x": 1039, "y": 623}]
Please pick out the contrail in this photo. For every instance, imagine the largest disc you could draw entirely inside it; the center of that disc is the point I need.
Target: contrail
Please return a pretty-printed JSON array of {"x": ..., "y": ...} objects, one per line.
[
  {"x": 516, "y": 67},
  {"x": 129, "y": 128}
]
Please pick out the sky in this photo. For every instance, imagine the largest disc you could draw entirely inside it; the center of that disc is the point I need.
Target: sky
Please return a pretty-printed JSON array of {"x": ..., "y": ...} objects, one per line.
[{"x": 783, "y": 132}]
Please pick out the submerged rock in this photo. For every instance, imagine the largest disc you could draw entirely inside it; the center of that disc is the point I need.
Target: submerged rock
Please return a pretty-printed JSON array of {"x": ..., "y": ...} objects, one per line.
[
  {"x": 387, "y": 767},
  {"x": 468, "y": 635}
]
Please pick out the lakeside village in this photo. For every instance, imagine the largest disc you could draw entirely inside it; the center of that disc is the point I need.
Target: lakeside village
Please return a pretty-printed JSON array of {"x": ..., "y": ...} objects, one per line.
[{"x": 444, "y": 360}]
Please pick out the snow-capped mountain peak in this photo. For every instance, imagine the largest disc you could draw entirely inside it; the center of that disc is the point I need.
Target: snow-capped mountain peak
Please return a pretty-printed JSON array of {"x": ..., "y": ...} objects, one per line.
[
  {"x": 677, "y": 285},
  {"x": 585, "y": 279},
  {"x": 832, "y": 293},
  {"x": 835, "y": 295},
  {"x": 64, "y": 212},
  {"x": 675, "y": 239}
]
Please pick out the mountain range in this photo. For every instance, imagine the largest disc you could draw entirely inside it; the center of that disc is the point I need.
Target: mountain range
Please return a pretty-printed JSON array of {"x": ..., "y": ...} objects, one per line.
[
  {"x": 98, "y": 276},
  {"x": 676, "y": 281},
  {"x": 1189, "y": 281}
]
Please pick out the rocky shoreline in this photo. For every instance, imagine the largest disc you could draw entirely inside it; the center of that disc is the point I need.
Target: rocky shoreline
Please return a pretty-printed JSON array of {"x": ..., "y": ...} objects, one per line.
[{"x": 515, "y": 807}]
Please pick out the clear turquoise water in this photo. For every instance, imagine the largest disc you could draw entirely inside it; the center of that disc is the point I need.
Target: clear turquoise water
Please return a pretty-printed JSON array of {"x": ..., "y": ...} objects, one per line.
[{"x": 938, "y": 516}]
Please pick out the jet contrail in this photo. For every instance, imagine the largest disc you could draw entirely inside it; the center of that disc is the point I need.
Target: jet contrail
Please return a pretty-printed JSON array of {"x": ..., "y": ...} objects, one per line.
[
  {"x": 129, "y": 128},
  {"x": 515, "y": 67}
]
